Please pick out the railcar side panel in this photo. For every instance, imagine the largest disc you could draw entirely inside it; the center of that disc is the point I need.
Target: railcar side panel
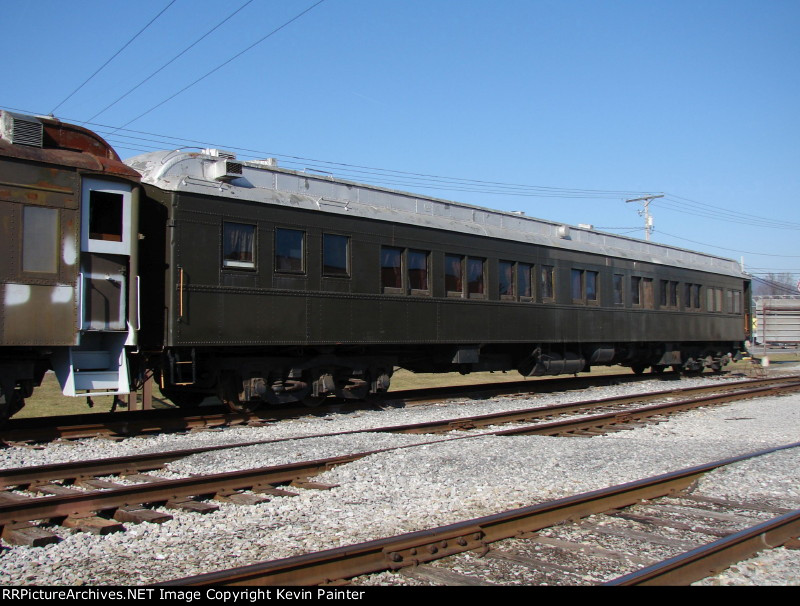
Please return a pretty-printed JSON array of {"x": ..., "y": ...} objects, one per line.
[
  {"x": 260, "y": 305},
  {"x": 286, "y": 286},
  {"x": 68, "y": 275}
]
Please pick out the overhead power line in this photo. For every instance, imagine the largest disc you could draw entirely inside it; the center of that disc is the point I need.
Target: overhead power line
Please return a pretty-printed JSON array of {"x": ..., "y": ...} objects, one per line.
[
  {"x": 171, "y": 61},
  {"x": 124, "y": 46},
  {"x": 224, "y": 63},
  {"x": 736, "y": 250},
  {"x": 699, "y": 209},
  {"x": 142, "y": 141},
  {"x": 375, "y": 175}
]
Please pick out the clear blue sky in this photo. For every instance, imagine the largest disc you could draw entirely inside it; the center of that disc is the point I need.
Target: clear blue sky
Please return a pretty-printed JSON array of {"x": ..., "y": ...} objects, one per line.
[{"x": 695, "y": 99}]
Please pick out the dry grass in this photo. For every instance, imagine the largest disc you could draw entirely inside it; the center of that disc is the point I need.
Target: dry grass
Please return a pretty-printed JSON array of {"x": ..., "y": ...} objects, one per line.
[{"x": 48, "y": 400}]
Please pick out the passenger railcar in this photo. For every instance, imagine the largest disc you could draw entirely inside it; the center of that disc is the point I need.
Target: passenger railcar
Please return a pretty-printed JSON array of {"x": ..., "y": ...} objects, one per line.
[
  {"x": 68, "y": 260},
  {"x": 266, "y": 285},
  {"x": 270, "y": 285}
]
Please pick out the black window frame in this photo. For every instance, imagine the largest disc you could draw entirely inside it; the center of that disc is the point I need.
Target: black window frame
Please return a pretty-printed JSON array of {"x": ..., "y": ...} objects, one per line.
[
  {"x": 618, "y": 288},
  {"x": 339, "y": 272},
  {"x": 405, "y": 282},
  {"x": 507, "y": 280},
  {"x": 470, "y": 278},
  {"x": 395, "y": 285},
  {"x": 229, "y": 248},
  {"x": 278, "y": 257},
  {"x": 413, "y": 284},
  {"x": 547, "y": 283},
  {"x": 580, "y": 282}
]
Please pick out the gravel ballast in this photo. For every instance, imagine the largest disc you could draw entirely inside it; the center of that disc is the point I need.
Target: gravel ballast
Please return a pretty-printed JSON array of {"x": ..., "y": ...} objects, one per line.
[{"x": 416, "y": 487}]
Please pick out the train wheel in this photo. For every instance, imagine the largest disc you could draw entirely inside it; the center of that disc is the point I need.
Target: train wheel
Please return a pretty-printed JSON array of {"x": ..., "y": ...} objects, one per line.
[
  {"x": 320, "y": 386},
  {"x": 638, "y": 369},
  {"x": 232, "y": 394}
]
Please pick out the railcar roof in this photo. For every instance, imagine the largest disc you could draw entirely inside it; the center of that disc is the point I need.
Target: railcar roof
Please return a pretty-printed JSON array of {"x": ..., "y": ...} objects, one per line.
[
  {"x": 47, "y": 140},
  {"x": 217, "y": 174}
]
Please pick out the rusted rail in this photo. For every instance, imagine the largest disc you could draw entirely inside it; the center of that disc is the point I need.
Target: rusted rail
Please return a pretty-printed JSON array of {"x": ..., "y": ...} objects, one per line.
[
  {"x": 73, "y": 471},
  {"x": 126, "y": 423},
  {"x": 424, "y": 546},
  {"x": 747, "y": 389},
  {"x": 717, "y": 556},
  {"x": 164, "y": 491},
  {"x": 627, "y": 416}
]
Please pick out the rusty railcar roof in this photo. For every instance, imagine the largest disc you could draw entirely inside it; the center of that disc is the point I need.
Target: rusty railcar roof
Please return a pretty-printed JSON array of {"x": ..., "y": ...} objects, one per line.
[
  {"x": 217, "y": 173},
  {"x": 61, "y": 144}
]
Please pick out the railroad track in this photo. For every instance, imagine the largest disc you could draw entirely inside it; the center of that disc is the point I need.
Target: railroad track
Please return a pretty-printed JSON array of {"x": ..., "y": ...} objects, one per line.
[
  {"x": 129, "y": 423},
  {"x": 520, "y": 539},
  {"x": 81, "y": 495}
]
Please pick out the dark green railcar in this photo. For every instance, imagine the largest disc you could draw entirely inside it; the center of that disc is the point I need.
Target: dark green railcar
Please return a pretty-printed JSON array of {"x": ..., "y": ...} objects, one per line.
[{"x": 269, "y": 285}]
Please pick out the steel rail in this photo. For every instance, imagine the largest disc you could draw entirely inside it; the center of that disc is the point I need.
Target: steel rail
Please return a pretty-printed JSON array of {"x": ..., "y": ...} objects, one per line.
[
  {"x": 25, "y": 476},
  {"x": 136, "y": 463},
  {"x": 419, "y": 547},
  {"x": 715, "y": 557},
  {"x": 165, "y": 490},
  {"x": 626, "y": 416},
  {"x": 560, "y": 409},
  {"x": 136, "y": 422}
]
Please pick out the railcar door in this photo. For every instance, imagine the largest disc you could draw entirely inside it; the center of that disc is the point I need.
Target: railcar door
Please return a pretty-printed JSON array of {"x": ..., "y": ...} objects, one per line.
[{"x": 98, "y": 365}]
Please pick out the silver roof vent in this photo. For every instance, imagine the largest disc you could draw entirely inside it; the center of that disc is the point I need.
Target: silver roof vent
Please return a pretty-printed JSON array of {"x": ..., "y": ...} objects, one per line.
[
  {"x": 21, "y": 130},
  {"x": 269, "y": 162},
  {"x": 220, "y": 153},
  {"x": 225, "y": 170}
]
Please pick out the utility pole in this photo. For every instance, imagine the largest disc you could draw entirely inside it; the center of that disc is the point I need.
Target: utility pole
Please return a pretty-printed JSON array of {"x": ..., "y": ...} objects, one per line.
[{"x": 648, "y": 220}]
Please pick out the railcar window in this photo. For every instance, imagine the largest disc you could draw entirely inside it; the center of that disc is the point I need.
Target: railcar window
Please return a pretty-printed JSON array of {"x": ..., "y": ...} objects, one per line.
[
  {"x": 737, "y": 301},
  {"x": 391, "y": 268},
  {"x": 105, "y": 216},
  {"x": 669, "y": 294},
  {"x": 289, "y": 249},
  {"x": 584, "y": 286},
  {"x": 636, "y": 290},
  {"x": 691, "y": 297},
  {"x": 524, "y": 281},
  {"x": 505, "y": 279},
  {"x": 577, "y": 285},
  {"x": 648, "y": 296},
  {"x": 238, "y": 246},
  {"x": 418, "y": 271},
  {"x": 547, "y": 283},
  {"x": 453, "y": 275},
  {"x": 619, "y": 289},
  {"x": 591, "y": 286},
  {"x": 335, "y": 255},
  {"x": 714, "y": 299},
  {"x": 40, "y": 239},
  {"x": 475, "y": 277}
]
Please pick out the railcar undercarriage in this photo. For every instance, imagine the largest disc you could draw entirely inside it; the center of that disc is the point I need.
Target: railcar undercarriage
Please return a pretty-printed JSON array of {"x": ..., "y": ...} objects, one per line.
[{"x": 247, "y": 380}]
